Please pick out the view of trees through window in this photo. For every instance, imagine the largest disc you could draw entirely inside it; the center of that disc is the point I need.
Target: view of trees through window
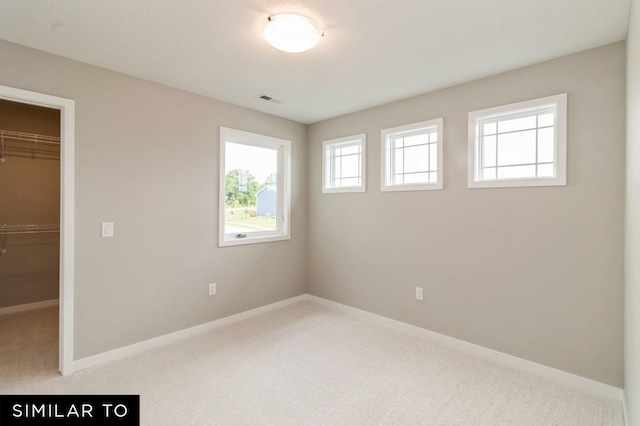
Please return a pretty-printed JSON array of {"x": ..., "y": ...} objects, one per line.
[{"x": 250, "y": 188}]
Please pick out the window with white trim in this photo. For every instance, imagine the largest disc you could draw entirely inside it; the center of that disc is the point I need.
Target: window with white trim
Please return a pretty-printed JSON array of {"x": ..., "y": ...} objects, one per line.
[
  {"x": 412, "y": 156},
  {"x": 344, "y": 164},
  {"x": 255, "y": 188},
  {"x": 521, "y": 144}
]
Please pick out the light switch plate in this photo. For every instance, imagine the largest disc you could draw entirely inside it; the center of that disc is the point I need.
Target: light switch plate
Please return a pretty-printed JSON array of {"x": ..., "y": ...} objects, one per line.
[{"x": 107, "y": 229}]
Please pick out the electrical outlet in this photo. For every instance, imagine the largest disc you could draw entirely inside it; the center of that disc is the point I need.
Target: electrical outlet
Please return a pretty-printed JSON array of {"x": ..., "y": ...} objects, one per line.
[
  {"x": 419, "y": 293},
  {"x": 212, "y": 289}
]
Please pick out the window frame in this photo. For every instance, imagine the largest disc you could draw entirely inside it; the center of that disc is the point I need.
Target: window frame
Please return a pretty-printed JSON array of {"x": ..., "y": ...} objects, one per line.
[
  {"x": 283, "y": 148},
  {"x": 511, "y": 110},
  {"x": 327, "y": 160},
  {"x": 385, "y": 140}
]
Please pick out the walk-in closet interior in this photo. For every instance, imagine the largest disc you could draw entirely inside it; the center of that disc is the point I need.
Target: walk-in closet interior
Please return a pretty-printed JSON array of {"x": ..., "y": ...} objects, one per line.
[{"x": 29, "y": 204}]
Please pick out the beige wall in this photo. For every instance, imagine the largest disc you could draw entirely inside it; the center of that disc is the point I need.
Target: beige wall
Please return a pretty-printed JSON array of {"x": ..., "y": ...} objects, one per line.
[
  {"x": 533, "y": 272},
  {"x": 632, "y": 252},
  {"x": 147, "y": 159},
  {"x": 29, "y": 188},
  {"x": 29, "y": 118},
  {"x": 30, "y": 194}
]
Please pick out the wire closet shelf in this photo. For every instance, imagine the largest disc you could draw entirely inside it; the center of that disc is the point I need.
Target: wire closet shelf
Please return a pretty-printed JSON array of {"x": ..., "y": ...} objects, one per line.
[
  {"x": 29, "y": 145},
  {"x": 28, "y": 229},
  {"x": 32, "y": 229}
]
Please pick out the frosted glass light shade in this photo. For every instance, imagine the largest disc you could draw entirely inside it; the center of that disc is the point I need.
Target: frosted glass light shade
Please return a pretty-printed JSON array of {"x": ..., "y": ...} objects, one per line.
[{"x": 291, "y": 33}]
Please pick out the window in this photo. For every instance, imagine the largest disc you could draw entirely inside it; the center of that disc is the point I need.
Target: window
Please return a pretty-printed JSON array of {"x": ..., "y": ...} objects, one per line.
[
  {"x": 254, "y": 188},
  {"x": 343, "y": 164},
  {"x": 412, "y": 156},
  {"x": 522, "y": 144}
]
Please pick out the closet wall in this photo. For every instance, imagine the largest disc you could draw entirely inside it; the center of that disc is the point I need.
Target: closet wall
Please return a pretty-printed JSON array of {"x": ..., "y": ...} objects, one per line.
[{"x": 29, "y": 194}]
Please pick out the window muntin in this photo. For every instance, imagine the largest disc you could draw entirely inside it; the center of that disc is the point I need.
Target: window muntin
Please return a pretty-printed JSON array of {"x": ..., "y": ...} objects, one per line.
[
  {"x": 522, "y": 144},
  {"x": 412, "y": 156},
  {"x": 254, "y": 188},
  {"x": 344, "y": 161}
]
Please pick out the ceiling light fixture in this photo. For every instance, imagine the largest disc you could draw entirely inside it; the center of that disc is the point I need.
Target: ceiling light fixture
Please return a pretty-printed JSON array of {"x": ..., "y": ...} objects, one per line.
[{"x": 291, "y": 33}]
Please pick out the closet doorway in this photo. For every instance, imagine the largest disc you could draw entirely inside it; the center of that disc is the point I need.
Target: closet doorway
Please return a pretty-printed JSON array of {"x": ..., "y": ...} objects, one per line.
[{"x": 36, "y": 215}]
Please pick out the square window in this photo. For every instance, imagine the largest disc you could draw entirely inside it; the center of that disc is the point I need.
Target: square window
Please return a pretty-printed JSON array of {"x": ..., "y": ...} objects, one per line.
[
  {"x": 343, "y": 166},
  {"x": 254, "y": 188},
  {"x": 521, "y": 144},
  {"x": 412, "y": 156}
]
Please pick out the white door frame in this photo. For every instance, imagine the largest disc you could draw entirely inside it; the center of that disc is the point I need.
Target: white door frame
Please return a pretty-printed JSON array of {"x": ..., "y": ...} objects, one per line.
[{"x": 67, "y": 209}]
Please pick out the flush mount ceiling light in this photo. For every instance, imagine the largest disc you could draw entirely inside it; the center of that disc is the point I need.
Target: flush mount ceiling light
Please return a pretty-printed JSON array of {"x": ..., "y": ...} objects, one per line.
[{"x": 291, "y": 33}]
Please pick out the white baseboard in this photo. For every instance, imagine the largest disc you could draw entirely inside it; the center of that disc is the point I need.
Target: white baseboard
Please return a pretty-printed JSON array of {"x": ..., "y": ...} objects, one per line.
[
  {"x": 29, "y": 306},
  {"x": 551, "y": 373},
  {"x": 145, "y": 345}
]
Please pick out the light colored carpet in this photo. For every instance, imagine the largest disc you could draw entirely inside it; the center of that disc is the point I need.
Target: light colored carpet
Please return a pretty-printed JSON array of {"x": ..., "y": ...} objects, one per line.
[{"x": 304, "y": 364}]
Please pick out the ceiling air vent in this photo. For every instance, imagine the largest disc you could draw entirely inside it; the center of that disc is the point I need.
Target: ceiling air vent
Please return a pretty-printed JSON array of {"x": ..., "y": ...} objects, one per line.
[{"x": 269, "y": 99}]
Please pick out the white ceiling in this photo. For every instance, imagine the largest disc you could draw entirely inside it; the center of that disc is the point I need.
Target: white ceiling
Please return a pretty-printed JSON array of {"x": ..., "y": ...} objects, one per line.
[{"x": 373, "y": 52}]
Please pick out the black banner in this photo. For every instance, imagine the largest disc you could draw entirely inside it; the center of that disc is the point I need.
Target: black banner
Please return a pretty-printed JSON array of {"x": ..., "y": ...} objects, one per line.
[{"x": 37, "y": 410}]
